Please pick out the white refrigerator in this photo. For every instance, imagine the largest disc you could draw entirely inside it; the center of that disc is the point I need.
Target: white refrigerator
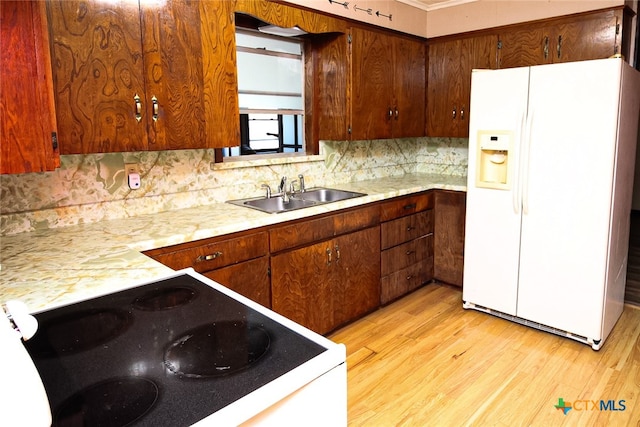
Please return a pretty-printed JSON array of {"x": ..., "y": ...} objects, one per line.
[{"x": 550, "y": 180}]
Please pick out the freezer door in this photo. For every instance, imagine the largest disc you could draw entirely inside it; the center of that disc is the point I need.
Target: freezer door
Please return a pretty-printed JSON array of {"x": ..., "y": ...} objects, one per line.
[
  {"x": 573, "y": 110},
  {"x": 492, "y": 229}
]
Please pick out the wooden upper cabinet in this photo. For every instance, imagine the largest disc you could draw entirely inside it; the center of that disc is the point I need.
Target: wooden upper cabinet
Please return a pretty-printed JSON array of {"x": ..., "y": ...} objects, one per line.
[
  {"x": 593, "y": 35},
  {"x": 387, "y": 85},
  {"x": 27, "y": 111},
  {"x": 449, "y": 88},
  {"x": 131, "y": 77}
]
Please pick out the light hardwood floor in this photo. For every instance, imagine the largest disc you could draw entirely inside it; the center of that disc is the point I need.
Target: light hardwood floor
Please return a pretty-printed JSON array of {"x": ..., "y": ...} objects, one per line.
[{"x": 424, "y": 360}]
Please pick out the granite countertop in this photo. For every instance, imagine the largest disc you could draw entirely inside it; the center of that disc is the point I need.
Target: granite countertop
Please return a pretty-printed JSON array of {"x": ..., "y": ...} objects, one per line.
[{"x": 53, "y": 267}]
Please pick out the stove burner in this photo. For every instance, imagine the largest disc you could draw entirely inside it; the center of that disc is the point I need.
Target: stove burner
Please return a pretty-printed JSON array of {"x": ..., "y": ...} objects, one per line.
[
  {"x": 114, "y": 402},
  {"x": 216, "y": 349},
  {"x": 165, "y": 299},
  {"x": 76, "y": 332}
]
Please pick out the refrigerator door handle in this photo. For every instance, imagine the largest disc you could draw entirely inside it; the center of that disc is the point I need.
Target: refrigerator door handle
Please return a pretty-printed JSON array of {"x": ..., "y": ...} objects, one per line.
[
  {"x": 527, "y": 163},
  {"x": 517, "y": 188}
]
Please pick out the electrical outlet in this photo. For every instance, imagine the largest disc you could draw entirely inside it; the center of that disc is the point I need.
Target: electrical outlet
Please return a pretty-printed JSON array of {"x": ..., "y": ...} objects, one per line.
[{"x": 132, "y": 172}]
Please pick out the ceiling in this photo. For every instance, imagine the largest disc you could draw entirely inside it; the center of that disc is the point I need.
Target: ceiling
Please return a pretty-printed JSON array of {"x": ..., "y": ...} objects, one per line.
[{"x": 434, "y": 4}]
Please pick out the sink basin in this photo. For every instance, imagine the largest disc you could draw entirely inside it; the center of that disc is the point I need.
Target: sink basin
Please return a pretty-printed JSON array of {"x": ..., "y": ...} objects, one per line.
[
  {"x": 274, "y": 204},
  {"x": 327, "y": 195},
  {"x": 312, "y": 197}
]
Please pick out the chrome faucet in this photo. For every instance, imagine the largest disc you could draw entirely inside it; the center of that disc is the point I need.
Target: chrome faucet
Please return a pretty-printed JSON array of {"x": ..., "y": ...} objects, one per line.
[
  {"x": 266, "y": 186},
  {"x": 302, "y": 187},
  {"x": 282, "y": 188}
]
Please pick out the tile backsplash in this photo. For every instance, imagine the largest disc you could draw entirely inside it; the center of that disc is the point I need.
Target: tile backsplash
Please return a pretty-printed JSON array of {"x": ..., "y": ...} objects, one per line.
[{"x": 90, "y": 188}]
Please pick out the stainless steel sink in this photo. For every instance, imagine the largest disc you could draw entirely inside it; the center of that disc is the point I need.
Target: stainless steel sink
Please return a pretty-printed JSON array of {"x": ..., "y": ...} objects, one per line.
[
  {"x": 327, "y": 195},
  {"x": 311, "y": 197}
]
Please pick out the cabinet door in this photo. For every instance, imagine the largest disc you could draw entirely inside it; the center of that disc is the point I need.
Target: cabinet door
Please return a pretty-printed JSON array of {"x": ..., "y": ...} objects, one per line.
[
  {"x": 371, "y": 84},
  {"x": 409, "y": 88},
  {"x": 450, "y": 212},
  {"x": 301, "y": 286},
  {"x": 355, "y": 275},
  {"x": 523, "y": 47},
  {"x": 593, "y": 37},
  {"x": 249, "y": 278},
  {"x": 444, "y": 88},
  {"x": 174, "y": 92},
  {"x": 26, "y": 90},
  {"x": 98, "y": 71}
]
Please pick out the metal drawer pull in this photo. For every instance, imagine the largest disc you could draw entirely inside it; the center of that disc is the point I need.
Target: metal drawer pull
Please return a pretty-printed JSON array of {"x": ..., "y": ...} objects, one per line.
[
  {"x": 409, "y": 277},
  {"x": 411, "y": 252},
  {"x": 155, "y": 107},
  {"x": 138, "y": 104},
  {"x": 410, "y": 206},
  {"x": 209, "y": 257},
  {"x": 410, "y": 228}
]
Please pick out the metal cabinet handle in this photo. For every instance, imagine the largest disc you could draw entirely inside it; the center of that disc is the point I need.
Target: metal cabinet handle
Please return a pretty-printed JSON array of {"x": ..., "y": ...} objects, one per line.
[
  {"x": 410, "y": 228},
  {"x": 397, "y": 114},
  {"x": 559, "y": 47},
  {"x": 328, "y": 256},
  {"x": 453, "y": 113},
  {"x": 409, "y": 277},
  {"x": 462, "y": 114},
  {"x": 410, "y": 253},
  {"x": 390, "y": 112},
  {"x": 154, "y": 108},
  {"x": 209, "y": 257},
  {"x": 546, "y": 47},
  {"x": 138, "y": 106},
  {"x": 337, "y": 248}
]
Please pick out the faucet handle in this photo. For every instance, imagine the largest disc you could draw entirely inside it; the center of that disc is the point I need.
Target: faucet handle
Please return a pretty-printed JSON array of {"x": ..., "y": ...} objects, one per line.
[
  {"x": 283, "y": 184},
  {"x": 292, "y": 187},
  {"x": 266, "y": 186}
]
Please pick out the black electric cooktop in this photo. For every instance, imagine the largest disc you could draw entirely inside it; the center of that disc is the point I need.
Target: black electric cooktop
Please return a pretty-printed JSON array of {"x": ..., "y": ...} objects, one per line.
[{"x": 167, "y": 353}]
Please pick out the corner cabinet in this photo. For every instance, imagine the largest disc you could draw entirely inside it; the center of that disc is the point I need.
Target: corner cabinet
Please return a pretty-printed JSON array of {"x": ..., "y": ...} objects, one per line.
[
  {"x": 449, "y": 90},
  {"x": 239, "y": 262},
  {"x": 325, "y": 271},
  {"x": 28, "y": 124},
  {"x": 136, "y": 77},
  {"x": 388, "y": 84},
  {"x": 593, "y": 35}
]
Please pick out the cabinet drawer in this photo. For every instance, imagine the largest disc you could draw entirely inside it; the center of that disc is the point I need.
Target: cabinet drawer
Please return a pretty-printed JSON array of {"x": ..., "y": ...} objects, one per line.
[
  {"x": 216, "y": 254},
  {"x": 308, "y": 231},
  {"x": 403, "y": 281},
  {"x": 404, "y": 255},
  {"x": 406, "y": 228},
  {"x": 407, "y": 205}
]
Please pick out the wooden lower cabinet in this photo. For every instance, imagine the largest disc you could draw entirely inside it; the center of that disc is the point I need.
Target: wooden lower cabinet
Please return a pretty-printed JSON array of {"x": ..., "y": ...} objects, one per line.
[
  {"x": 450, "y": 214},
  {"x": 328, "y": 284}
]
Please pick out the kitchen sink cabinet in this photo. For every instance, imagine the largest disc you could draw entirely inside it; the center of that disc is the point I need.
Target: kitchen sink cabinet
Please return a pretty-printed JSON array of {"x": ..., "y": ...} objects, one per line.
[
  {"x": 387, "y": 85},
  {"x": 449, "y": 89},
  {"x": 328, "y": 284},
  {"x": 407, "y": 245},
  {"x": 239, "y": 262},
  {"x": 135, "y": 77},
  {"x": 449, "y": 223},
  {"x": 28, "y": 125},
  {"x": 592, "y": 35},
  {"x": 325, "y": 271}
]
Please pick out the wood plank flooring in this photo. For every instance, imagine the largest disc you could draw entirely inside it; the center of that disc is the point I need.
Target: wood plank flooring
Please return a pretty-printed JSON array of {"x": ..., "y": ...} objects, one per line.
[{"x": 425, "y": 361}]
